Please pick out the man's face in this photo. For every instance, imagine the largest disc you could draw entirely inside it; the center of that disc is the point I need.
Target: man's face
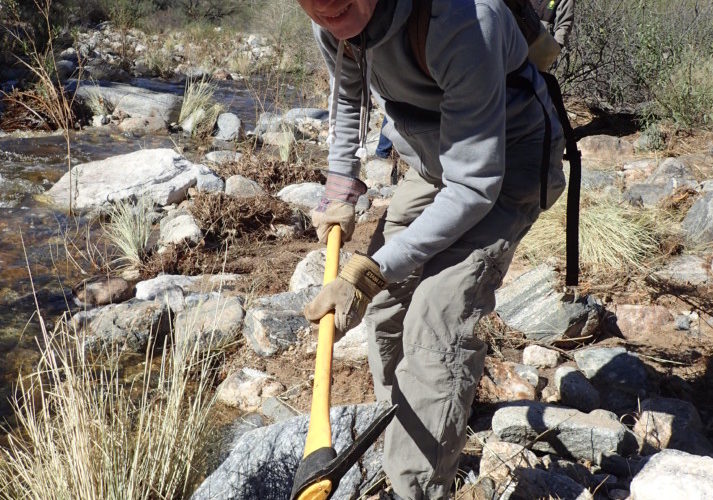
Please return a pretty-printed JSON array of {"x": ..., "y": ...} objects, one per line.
[{"x": 342, "y": 18}]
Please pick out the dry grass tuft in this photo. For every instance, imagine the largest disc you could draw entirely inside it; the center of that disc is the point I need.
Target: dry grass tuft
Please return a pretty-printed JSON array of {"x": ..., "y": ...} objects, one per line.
[
  {"x": 129, "y": 229},
  {"x": 86, "y": 433},
  {"x": 612, "y": 237}
]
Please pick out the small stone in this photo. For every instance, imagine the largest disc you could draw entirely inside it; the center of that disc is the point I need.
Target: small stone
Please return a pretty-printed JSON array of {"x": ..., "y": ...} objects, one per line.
[
  {"x": 575, "y": 389},
  {"x": 242, "y": 188},
  {"x": 529, "y": 373},
  {"x": 247, "y": 389},
  {"x": 540, "y": 357}
]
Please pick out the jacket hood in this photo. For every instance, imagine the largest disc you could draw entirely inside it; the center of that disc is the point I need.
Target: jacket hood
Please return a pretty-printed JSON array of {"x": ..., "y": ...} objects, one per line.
[{"x": 389, "y": 17}]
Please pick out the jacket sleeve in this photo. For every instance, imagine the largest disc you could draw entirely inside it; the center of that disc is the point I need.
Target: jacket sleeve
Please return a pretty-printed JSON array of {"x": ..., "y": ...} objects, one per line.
[
  {"x": 467, "y": 61},
  {"x": 342, "y": 154},
  {"x": 564, "y": 20}
]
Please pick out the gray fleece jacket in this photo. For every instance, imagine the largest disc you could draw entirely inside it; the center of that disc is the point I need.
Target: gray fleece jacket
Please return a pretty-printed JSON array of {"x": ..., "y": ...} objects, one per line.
[{"x": 453, "y": 128}]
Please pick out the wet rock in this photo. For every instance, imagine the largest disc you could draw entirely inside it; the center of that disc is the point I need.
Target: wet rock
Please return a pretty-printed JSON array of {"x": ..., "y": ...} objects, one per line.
[
  {"x": 532, "y": 305},
  {"x": 354, "y": 345},
  {"x": 209, "y": 321},
  {"x": 575, "y": 390},
  {"x": 277, "y": 410},
  {"x": 161, "y": 176},
  {"x": 605, "y": 148},
  {"x": 222, "y": 157},
  {"x": 102, "y": 290},
  {"x": 529, "y": 373},
  {"x": 639, "y": 322},
  {"x": 135, "y": 101},
  {"x": 685, "y": 270},
  {"x": 538, "y": 483},
  {"x": 305, "y": 195},
  {"x": 241, "y": 187},
  {"x": 275, "y": 322},
  {"x": 502, "y": 383},
  {"x": 263, "y": 462},
  {"x": 671, "y": 423},
  {"x": 128, "y": 326},
  {"x": 378, "y": 172},
  {"x": 674, "y": 474},
  {"x": 563, "y": 431},
  {"x": 142, "y": 125},
  {"x": 247, "y": 389},
  {"x": 499, "y": 461},
  {"x": 310, "y": 270},
  {"x": 698, "y": 223},
  {"x": 229, "y": 127},
  {"x": 540, "y": 357},
  {"x": 179, "y": 227}
]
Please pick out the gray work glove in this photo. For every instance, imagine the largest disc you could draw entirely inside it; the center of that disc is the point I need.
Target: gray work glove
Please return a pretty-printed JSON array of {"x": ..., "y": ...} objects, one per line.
[
  {"x": 337, "y": 206},
  {"x": 348, "y": 295}
]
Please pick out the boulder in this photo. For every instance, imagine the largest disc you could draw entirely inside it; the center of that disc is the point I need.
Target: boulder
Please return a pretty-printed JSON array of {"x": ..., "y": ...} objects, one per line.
[
  {"x": 310, "y": 270},
  {"x": 562, "y": 431},
  {"x": 161, "y": 176},
  {"x": 135, "y": 101},
  {"x": 179, "y": 227},
  {"x": 242, "y": 188},
  {"x": 263, "y": 462},
  {"x": 698, "y": 223},
  {"x": 229, "y": 127},
  {"x": 246, "y": 389},
  {"x": 532, "y": 305},
  {"x": 209, "y": 321},
  {"x": 130, "y": 326},
  {"x": 685, "y": 270},
  {"x": 619, "y": 376},
  {"x": 637, "y": 322},
  {"x": 540, "y": 357},
  {"x": 674, "y": 474},
  {"x": 671, "y": 423},
  {"x": 575, "y": 390},
  {"x": 305, "y": 195},
  {"x": 274, "y": 323}
]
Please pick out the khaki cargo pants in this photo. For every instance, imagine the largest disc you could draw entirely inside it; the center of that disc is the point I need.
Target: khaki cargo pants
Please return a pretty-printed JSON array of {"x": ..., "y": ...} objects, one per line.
[{"x": 424, "y": 352}]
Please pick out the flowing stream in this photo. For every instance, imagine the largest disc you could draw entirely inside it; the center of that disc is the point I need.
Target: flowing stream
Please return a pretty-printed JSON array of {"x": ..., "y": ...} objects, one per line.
[{"x": 33, "y": 236}]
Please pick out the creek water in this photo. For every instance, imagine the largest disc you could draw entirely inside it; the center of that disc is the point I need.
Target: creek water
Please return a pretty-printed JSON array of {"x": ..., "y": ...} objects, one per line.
[{"x": 33, "y": 235}]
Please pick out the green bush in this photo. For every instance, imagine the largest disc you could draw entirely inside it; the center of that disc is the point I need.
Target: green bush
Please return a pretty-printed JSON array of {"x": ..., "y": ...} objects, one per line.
[{"x": 627, "y": 56}]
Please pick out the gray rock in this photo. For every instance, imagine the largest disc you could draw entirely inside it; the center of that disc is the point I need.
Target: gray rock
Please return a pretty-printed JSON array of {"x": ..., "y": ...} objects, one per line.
[
  {"x": 310, "y": 270},
  {"x": 538, "y": 483},
  {"x": 619, "y": 376},
  {"x": 268, "y": 122},
  {"x": 241, "y": 187},
  {"x": 362, "y": 204},
  {"x": 274, "y": 323},
  {"x": 140, "y": 125},
  {"x": 135, "y": 101},
  {"x": 263, "y": 462},
  {"x": 685, "y": 270},
  {"x": 229, "y": 127},
  {"x": 378, "y": 172},
  {"x": 598, "y": 179},
  {"x": 296, "y": 114},
  {"x": 668, "y": 176},
  {"x": 674, "y": 474},
  {"x": 223, "y": 156},
  {"x": 683, "y": 322},
  {"x": 698, "y": 223},
  {"x": 179, "y": 227},
  {"x": 563, "y": 431},
  {"x": 277, "y": 410},
  {"x": 247, "y": 389},
  {"x": 540, "y": 357},
  {"x": 131, "y": 326},
  {"x": 575, "y": 389},
  {"x": 213, "y": 322},
  {"x": 161, "y": 176},
  {"x": 605, "y": 148},
  {"x": 644, "y": 195},
  {"x": 172, "y": 289},
  {"x": 65, "y": 69},
  {"x": 531, "y": 305},
  {"x": 305, "y": 195},
  {"x": 354, "y": 345},
  {"x": 671, "y": 423},
  {"x": 500, "y": 460},
  {"x": 529, "y": 373}
]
